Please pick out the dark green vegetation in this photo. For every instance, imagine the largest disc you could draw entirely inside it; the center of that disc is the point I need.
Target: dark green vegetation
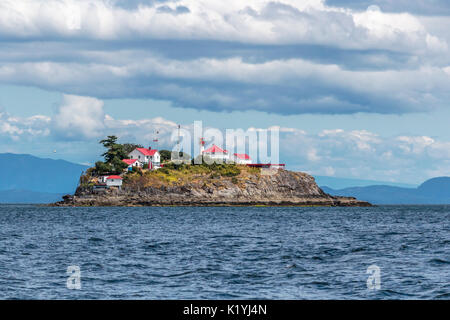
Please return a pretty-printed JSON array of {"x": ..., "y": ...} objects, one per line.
[
  {"x": 113, "y": 156},
  {"x": 128, "y": 147},
  {"x": 165, "y": 155}
]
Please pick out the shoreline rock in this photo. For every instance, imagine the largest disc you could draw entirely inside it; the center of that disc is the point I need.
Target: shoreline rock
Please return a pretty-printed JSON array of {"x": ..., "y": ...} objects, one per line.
[{"x": 283, "y": 188}]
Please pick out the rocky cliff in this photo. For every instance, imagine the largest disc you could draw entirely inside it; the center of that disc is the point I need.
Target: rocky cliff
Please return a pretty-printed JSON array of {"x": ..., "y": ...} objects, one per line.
[{"x": 211, "y": 186}]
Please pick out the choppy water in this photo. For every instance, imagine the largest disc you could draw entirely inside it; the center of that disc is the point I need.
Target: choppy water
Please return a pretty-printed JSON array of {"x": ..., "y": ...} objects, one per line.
[{"x": 225, "y": 253}]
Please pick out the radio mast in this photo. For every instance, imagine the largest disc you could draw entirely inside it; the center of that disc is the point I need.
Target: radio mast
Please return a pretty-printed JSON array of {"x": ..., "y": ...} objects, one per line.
[
  {"x": 179, "y": 142},
  {"x": 202, "y": 145}
]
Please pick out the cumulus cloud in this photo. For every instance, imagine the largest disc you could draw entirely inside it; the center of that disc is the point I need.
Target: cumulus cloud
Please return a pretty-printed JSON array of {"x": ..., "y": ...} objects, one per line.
[
  {"x": 142, "y": 131},
  {"x": 363, "y": 154},
  {"x": 287, "y": 57},
  {"x": 281, "y": 86},
  {"x": 79, "y": 118},
  {"x": 16, "y": 128},
  {"x": 422, "y": 7},
  {"x": 256, "y": 21},
  {"x": 177, "y": 10}
]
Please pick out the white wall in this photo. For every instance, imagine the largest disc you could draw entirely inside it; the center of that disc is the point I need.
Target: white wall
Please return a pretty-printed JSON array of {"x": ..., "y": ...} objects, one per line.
[
  {"x": 135, "y": 154},
  {"x": 114, "y": 182},
  {"x": 242, "y": 161},
  {"x": 217, "y": 156},
  {"x": 156, "y": 158}
]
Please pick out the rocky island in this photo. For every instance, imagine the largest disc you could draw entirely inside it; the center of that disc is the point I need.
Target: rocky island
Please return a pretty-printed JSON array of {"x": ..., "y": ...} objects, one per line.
[{"x": 207, "y": 185}]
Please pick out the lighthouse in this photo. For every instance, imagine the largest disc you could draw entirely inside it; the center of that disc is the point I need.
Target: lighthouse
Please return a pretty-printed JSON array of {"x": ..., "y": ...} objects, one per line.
[{"x": 202, "y": 145}]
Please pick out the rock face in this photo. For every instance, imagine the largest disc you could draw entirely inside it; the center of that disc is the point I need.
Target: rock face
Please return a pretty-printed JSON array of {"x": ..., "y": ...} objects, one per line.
[{"x": 280, "y": 188}]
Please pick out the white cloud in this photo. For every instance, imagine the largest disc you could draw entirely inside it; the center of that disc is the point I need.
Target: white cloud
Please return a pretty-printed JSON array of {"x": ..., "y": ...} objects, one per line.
[
  {"x": 79, "y": 118},
  {"x": 362, "y": 154},
  {"x": 257, "y": 21},
  {"x": 378, "y": 62},
  {"x": 142, "y": 131},
  {"x": 16, "y": 128},
  {"x": 329, "y": 171},
  {"x": 291, "y": 85}
]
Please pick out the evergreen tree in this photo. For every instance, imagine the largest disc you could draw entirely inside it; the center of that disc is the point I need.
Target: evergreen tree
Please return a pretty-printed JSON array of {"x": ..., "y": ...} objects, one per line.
[
  {"x": 114, "y": 155},
  {"x": 114, "y": 150},
  {"x": 166, "y": 155}
]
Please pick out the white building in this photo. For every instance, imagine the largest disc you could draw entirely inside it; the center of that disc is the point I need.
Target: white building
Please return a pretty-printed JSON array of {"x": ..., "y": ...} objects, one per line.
[
  {"x": 132, "y": 163},
  {"x": 109, "y": 181},
  {"x": 114, "y": 181},
  {"x": 242, "y": 158},
  {"x": 216, "y": 153},
  {"x": 146, "y": 156}
]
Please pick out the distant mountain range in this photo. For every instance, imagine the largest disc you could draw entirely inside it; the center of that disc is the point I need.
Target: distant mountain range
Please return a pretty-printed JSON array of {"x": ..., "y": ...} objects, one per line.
[
  {"x": 341, "y": 183},
  {"x": 433, "y": 191},
  {"x": 28, "y": 179}
]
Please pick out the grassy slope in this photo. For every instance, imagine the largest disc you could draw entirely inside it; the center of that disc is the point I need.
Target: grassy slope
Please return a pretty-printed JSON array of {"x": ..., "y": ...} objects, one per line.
[{"x": 190, "y": 174}]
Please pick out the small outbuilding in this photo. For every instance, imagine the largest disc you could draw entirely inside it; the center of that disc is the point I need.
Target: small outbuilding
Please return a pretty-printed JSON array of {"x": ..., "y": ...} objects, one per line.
[
  {"x": 242, "y": 158},
  {"x": 132, "y": 163},
  {"x": 216, "y": 153},
  {"x": 114, "y": 181}
]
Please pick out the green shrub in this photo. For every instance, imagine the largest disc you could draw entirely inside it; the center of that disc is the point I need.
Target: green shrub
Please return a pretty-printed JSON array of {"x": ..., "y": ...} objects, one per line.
[
  {"x": 164, "y": 170},
  {"x": 165, "y": 155},
  {"x": 172, "y": 166},
  {"x": 227, "y": 170},
  {"x": 103, "y": 168},
  {"x": 214, "y": 175}
]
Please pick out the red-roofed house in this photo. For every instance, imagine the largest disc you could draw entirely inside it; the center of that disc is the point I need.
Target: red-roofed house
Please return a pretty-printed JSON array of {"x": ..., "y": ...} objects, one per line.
[
  {"x": 216, "y": 153},
  {"x": 132, "y": 163},
  {"x": 146, "y": 156},
  {"x": 114, "y": 181},
  {"x": 109, "y": 181},
  {"x": 242, "y": 158}
]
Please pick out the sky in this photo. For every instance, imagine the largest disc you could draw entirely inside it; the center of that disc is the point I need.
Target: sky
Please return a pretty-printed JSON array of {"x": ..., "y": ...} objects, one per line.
[{"x": 358, "y": 89}]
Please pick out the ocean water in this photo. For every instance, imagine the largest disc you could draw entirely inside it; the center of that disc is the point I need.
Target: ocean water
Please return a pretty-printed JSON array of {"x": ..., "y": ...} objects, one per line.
[{"x": 225, "y": 253}]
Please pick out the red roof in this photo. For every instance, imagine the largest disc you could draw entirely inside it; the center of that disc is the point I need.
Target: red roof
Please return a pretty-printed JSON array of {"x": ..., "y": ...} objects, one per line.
[
  {"x": 114, "y": 177},
  {"x": 215, "y": 149},
  {"x": 242, "y": 156},
  {"x": 147, "y": 152},
  {"x": 129, "y": 161}
]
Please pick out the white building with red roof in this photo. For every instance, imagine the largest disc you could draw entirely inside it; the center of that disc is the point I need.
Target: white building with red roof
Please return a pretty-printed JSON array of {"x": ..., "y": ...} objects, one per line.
[
  {"x": 132, "y": 163},
  {"x": 242, "y": 158},
  {"x": 216, "y": 153},
  {"x": 114, "y": 181},
  {"x": 146, "y": 156},
  {"x": 109, "y": 181}
]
